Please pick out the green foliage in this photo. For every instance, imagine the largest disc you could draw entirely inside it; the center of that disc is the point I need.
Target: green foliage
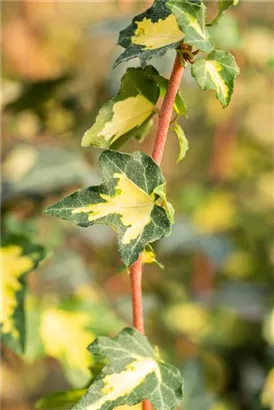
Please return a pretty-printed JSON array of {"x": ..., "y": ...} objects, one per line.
[
  {"x": 150, "y": 34},
  {"x": 191, "y": 20},
  {"x": 133, "y": 373},
  {"x": 126, "y": 201},
  {"x": 183, "y": 142},
  {"x": 60, "y": 400},
  {"x": 132, "y": 200},
  {"x": 19, "y": 257},
  {"x": 127, "y": 114},
  {"x": 217, "y": 72},
  {"x": 223, "y": 5}
]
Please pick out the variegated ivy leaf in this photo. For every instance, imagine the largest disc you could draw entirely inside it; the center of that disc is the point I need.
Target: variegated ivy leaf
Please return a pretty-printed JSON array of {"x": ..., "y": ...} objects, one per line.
[
  {"x": 223, "y": 5},
  {"x": 183, "y": 142},
  {"x": 19, "y": 257},
  {"x": 191, "y": 19},
  {"x": 127, "y": 201},
  {"x": 66, "y": 399},
  {"x": 129, "y": 113},
  {"x": 133, "y": 373},
  {"x": 217, "y": 72},
  {"x": 150, "y": 34}
]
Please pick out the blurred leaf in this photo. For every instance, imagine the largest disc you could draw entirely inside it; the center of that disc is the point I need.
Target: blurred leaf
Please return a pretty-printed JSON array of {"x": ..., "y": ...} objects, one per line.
[
  {"x": 60, "y": 400},
  {"x": 128, "y": 183},
  {"x": 195, "y": 393},
  {"x": 268, "y": 328},
  {"x": 34, "y": 95},
  {"x": 232, "y": 38},
  {"x": 268, "y": 390},
  {"x": 71, "y": 337},
  {"x": 216, "y": 72},
  {"x": 185, "y": 238},
  {"x": 150, "y": 34},
  {"x": 124, "y": 115},
  {"x": 52, "y": 168},
  {"x": 136, "y": 375},
  {"x": 189, "y": 319},
  {"x": 217, "y": 213},
  {"x": 19, "y": 257}
]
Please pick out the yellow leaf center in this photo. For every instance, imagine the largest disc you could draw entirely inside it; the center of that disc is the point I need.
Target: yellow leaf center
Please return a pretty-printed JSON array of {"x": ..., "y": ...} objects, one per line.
[
  {"x": 130, "y": 202},
  {"x": 159, "y": 34}
]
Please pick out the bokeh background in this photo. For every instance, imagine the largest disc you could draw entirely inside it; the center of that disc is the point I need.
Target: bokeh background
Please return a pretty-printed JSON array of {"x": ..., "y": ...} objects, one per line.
[{"x": 210, "y": 310}]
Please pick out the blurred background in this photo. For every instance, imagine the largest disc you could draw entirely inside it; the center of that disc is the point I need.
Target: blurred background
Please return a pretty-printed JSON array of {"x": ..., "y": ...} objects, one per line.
[{"x": 210, "y": 310}]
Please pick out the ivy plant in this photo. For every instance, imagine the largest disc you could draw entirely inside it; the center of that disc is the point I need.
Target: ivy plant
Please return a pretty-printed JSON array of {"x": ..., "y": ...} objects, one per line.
[{"x": 132, "y": 197}]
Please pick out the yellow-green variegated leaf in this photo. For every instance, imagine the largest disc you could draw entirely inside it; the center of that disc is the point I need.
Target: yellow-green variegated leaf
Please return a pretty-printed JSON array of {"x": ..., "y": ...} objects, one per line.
[
  {"x": 191, "y": 19},
  {"x": 183, "y": 142},
  {"x": 127, "y": 201},
  {"x": 129, "y": 113},
  {"x": 217, "y": 72},
  {"x": 150, "y": 34},
  {"x": 18, "y": 258},
  {"x": 133, "y": 373},
  {"x": 223, "y": 5}
]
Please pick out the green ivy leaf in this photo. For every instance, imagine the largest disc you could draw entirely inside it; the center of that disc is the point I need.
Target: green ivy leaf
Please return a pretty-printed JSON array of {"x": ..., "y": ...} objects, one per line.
[
  {"x": 19, "y": 257},
  {"x": 191, "y": 19},
  {"x": 133, "y": 373},
  {"x": 126, "y": 201},
  {"x": 128, "y": 114},
  {"x": 183, "y": 142},
  {"x": 150, "y": 34},
  {"x": 223, "y": 5},
  {"x": 217, "y": 72}
]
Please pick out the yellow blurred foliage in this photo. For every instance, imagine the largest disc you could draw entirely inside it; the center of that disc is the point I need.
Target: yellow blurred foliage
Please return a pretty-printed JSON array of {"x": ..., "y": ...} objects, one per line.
[
  {"x": 267, "y": 396},
  {"x": 216, "y": 214},
  {"x": 65, "y": 337},
  {"x": 189, "y": 319},
  {"x": 238, "y": 264}
]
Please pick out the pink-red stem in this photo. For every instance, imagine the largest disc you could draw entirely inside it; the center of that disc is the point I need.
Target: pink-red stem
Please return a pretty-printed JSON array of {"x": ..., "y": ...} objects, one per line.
[{"x": 159, "y": 146}]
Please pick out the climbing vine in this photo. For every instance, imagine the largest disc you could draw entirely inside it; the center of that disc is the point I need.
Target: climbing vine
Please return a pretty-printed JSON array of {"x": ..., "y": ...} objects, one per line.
[{"x": 132, "y": 198}]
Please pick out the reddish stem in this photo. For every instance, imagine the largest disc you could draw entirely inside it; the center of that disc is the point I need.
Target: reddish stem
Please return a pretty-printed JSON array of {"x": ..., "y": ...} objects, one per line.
[
  {"x": 136, "y": 292},
  {"x": 167, "y": 109},
  {"x": 159, "y": 146}
]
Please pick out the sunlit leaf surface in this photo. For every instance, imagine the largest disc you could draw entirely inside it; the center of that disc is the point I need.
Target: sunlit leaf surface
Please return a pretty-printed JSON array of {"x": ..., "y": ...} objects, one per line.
[
  {"x": 126, "y": 201},
  {"x": 132, "y": 374}
]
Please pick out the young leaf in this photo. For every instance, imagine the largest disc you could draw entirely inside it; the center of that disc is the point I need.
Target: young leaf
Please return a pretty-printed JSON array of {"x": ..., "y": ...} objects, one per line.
[
  {"x": 19, "y": 257},
  {"x": 126, "y": 201},
  {"x": 191, "y": 19},
  {"x": 183, "y": 142},
  {"x": 223, "y": 5},
  {"x": 217, "y": 72},
  {"x": 179, "y": 104},
  {"x": 149, "y": 256},
  {"x": 150, "y": 34},
  {"x": 132, "y": 374},
  {"x": 127, "y": 114}
]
